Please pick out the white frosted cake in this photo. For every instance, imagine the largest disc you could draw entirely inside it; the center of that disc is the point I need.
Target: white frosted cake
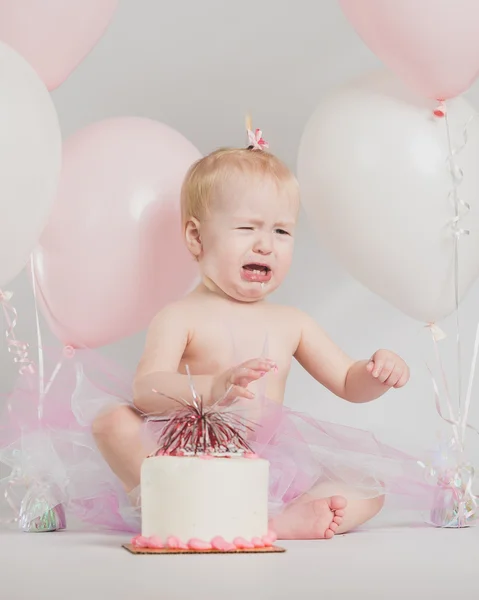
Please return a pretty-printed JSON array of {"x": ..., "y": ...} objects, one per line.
[
  {"x": 204, "y": 502},
  {"x": 204, "y": 489}
]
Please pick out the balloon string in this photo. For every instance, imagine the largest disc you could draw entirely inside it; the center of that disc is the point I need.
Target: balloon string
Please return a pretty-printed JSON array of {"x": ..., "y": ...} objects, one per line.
[
  {"x": 467, "y": 405},
  {"x": 452, "y": 419},
  {"x": 43, "y": 387},
  {"x": 52, "y": 317},
  {"x": 461, "y": 208},
  {"x": 456, "y": 177},
  {"x": 41, "y": 361}
]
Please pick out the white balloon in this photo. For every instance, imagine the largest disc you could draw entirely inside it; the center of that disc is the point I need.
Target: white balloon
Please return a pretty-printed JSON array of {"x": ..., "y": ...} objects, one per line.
[
  {"x": 376, "y": 185},
  {"x": 30, "y": 160}
]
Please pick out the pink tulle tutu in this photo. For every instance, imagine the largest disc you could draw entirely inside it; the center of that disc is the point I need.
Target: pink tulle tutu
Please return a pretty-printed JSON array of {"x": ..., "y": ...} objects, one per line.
[
  {"x": 55, "y": 454},
  {"x": 308, "y": 456}
]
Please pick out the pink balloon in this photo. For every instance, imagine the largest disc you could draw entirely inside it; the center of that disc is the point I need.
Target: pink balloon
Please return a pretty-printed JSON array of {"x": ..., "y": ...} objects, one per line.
[
  {"x": 54, "y": 36},
  {"x": 433, "y": 45},
  {"x": 112, "y": 254}
]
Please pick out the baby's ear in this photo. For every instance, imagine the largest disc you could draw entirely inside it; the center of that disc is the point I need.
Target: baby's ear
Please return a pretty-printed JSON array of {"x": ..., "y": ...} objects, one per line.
[{"x": 192, "y": 237}]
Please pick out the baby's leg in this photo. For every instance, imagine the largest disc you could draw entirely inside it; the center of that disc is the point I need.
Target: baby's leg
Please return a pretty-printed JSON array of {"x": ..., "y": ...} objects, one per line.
[
  {"x": 359, "y": 512},
  {"x": 118, "y": 436},
  {"x": 327, "y": 510}
]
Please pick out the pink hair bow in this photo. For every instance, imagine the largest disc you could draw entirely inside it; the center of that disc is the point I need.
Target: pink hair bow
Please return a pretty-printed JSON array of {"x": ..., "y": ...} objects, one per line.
[{"x": 256, "y": 141}]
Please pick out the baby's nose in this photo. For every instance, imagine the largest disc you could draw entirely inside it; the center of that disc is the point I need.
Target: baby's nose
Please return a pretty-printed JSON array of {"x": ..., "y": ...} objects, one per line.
[{"x": 263, "y": 247}]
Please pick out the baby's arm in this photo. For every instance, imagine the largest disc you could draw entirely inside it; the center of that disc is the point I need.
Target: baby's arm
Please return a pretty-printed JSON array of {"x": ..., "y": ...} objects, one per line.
[
  {"x": 167, "y": 338},
  {"x": 360, "y": 381},
  {"x": 158, "y": 382}
]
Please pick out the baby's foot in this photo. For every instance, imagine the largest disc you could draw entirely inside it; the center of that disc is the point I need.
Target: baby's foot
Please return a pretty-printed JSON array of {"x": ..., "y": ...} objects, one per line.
[{"x": 311, "y": 519}]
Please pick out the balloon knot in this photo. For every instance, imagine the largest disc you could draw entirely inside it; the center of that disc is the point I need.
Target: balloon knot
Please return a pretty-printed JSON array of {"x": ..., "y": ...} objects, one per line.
[{"x": 440, "y": 110}]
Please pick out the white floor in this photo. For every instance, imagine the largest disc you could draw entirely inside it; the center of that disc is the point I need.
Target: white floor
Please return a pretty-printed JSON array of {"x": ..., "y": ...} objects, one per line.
[{"x": 383, "y": 562}]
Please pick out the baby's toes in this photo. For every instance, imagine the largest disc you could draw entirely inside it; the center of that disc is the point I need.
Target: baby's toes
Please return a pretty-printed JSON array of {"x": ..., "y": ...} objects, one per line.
[
  {"x": 339, "y": 513},
  {"x": 329, "y": 534},
  {"x": 334, "y": 526}
]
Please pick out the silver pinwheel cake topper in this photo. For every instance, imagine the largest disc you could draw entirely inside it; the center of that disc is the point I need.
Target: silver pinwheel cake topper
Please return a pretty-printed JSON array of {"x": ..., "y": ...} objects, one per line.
[{"x": 196, "y": 429}]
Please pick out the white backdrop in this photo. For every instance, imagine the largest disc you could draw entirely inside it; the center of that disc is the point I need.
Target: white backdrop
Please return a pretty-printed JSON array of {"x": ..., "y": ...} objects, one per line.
[{"x": 199, "y": 67}]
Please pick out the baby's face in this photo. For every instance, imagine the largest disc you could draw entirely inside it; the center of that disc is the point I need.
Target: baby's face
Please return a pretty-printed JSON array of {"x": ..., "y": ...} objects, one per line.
[{"x": 247, "y": 239}]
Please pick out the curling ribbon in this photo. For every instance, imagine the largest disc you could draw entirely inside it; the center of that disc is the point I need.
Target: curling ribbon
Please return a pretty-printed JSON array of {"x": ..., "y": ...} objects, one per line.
[
  {"x": 455, "y": 505},
  {"x": 460, "y": 209},
  {"x": 17, "y": 348}
]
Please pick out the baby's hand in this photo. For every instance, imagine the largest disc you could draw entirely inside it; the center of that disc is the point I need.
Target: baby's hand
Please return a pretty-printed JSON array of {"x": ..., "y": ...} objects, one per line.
[
  {"x": 388, "y": 368},
  {"x": 234, "y": 382}
]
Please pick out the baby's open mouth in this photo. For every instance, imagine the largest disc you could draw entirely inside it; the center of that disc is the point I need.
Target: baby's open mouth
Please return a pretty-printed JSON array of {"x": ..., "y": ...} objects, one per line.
[{"x": 256, "y": 272}]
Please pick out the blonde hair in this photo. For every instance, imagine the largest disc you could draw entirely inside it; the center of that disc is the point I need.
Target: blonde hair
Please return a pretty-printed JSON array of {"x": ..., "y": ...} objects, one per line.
[{"x": 209, "y": 173}]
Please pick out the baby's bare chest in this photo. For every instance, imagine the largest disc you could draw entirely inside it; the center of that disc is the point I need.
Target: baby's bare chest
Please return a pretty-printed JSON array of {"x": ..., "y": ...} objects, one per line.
[{"x": 219, "y": 343}]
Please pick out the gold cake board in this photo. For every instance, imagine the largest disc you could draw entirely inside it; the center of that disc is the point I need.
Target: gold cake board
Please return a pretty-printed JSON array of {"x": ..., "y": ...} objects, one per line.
[{"x": 135, "y": 550}]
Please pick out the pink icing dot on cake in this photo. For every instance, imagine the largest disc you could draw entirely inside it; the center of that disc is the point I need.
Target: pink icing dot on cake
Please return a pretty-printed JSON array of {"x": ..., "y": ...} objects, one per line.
[
  {"x": 173, "y": 542},
  {"x": 195, "y": 544},
  {"x": 219, "y": 543},
  {"x": 242, "y": 544},
  {"x": 155, "y": 542},
  {"x": 250, "y": 455},
  {"x": 257, "y": 542},
  {"x": 140, "y": 541},
  {"x": 267, "y": 541}
]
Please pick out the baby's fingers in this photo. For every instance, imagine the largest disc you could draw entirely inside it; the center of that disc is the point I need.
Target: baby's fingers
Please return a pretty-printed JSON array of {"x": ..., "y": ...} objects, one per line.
[
  {"x": 244, "y": 376},
  {"x": 403, "y": 379},
  {"x": 238, "y": 391},
  {"x": 380, "y": 370},
  {"x": 262, "y": 365},
  {"x": 394, "y": 377},
  {"x": 375, "y": 368},
  {"x": 386, "y": 371}
]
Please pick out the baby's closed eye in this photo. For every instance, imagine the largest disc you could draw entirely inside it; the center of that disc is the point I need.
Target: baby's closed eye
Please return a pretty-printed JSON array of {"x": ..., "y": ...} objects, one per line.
[{"x": 250, "y": 228}]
